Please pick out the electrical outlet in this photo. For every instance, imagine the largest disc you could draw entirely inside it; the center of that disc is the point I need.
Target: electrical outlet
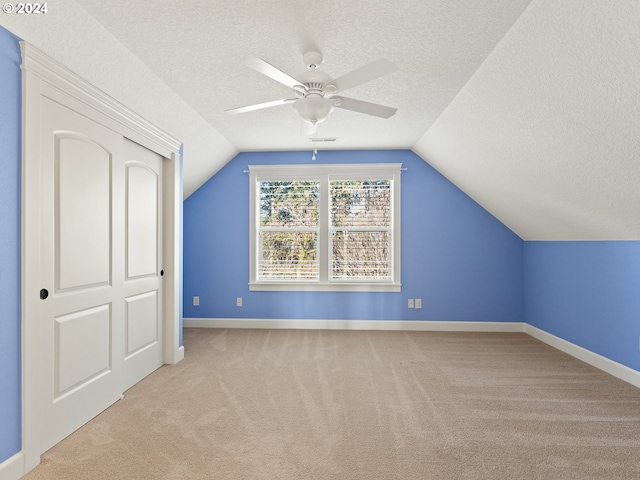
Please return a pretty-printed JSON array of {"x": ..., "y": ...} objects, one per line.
[
  {"x": 418, "y": 303},
  {"x": 239, "y": 302},
  {"x": 410, "y": 303},
  {"x": 196, "y": 301}
]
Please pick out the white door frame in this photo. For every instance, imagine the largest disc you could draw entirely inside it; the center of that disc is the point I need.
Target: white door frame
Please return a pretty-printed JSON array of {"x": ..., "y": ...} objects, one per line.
[{"x": 43, "y": 77}]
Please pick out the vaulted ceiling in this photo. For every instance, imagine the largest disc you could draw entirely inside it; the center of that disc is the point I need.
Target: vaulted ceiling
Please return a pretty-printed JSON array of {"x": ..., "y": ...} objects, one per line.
[{"x": 530, "y": 106}]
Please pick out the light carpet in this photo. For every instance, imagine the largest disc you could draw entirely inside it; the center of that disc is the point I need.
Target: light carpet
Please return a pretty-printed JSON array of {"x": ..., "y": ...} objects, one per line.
[{"x": 319, "y": 404}]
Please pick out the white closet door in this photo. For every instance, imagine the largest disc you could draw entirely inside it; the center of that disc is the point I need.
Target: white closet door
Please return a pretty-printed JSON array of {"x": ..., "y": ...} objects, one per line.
[
  {"x": 99, "y": 224},
  {"x": 82, "y": 251},
  {"x": 143, "y": 267}
]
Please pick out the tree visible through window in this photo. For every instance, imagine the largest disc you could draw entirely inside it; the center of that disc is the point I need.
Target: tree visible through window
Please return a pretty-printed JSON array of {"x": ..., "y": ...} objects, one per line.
[
  {"x": 289, "y": 230},
  {"x": 325, "y": 226}
]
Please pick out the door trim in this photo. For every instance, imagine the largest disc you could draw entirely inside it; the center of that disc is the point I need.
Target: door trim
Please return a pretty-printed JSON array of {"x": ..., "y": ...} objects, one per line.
[{"x": 43, "y": 77}]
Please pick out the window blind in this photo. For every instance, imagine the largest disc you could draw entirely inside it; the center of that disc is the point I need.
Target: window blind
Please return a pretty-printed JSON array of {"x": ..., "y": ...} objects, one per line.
[{"x": 360, "y": 229}]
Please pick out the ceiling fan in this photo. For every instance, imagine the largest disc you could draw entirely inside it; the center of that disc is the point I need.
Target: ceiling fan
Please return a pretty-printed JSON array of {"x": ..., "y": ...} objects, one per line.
[{"x": 316, "y": 93}]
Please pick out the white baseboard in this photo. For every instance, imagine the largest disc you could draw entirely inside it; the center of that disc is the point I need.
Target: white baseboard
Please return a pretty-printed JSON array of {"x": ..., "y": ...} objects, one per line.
[
  {"x": 180, "y": 355},
  {"x": 408, "y": 325},
  {"x": 616, "y": 369},
  {"x": 13, "y": 467}
]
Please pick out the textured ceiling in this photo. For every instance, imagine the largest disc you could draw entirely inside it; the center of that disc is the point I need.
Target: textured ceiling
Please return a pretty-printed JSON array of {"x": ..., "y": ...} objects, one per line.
[
  {"x": 546, "y": 134},
  {"x": 530, "y": 106},
  {"x": 198, "y": 48}
]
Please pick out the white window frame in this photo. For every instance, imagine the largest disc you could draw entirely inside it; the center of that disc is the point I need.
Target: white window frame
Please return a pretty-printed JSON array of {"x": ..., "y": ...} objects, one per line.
[{"x": 324, "y": 173}]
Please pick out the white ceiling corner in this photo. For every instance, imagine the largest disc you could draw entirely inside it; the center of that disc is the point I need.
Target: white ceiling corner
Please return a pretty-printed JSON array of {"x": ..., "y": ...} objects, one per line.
[{"x": 530, "y": 106}]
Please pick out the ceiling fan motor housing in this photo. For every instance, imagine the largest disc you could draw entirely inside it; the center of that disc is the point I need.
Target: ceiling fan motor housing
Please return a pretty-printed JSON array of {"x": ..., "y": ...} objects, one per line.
[{"x": 314, "y": 81}]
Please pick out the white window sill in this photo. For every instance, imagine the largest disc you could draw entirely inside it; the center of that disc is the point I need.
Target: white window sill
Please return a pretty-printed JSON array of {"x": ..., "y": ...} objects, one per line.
[{"x": 323, "y": 287}]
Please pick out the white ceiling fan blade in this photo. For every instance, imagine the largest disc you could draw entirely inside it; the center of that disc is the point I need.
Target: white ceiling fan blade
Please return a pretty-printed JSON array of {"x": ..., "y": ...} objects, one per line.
[
  {"x": 365, "y": 107},
  {"x": 308, "y": 128},
  {"x": 270, "y": 71},
  {"x": 361, "y": 75},
  {"x": 259, "y": 106}
]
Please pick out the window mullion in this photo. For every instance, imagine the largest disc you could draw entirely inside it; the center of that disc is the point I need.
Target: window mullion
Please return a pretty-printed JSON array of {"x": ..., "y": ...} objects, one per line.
[{"x": 325, "y": 236}]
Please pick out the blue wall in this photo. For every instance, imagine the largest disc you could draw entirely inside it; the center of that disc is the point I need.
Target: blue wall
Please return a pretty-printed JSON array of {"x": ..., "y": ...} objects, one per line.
[
  {"x": 10, "y": 140},
  {"x": 587, "y": 293},
  {"x": 462, "y": 262}
]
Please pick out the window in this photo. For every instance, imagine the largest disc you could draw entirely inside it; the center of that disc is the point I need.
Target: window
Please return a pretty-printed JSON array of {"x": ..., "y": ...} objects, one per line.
[{"x": 325, "y": 227}]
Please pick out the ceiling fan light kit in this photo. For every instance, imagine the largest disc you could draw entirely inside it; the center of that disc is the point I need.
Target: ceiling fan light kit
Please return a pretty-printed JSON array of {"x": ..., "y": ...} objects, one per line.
[
  {"x": 314, "y": 109},
  {"x": 315, "y": 90}
]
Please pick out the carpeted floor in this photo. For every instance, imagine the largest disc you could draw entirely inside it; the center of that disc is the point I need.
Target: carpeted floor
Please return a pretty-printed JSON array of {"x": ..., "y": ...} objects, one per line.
[{"x": 307, "y": 404}]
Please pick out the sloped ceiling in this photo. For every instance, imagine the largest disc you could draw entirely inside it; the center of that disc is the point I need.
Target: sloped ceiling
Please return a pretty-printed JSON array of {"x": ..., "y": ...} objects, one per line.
[
  {"x": 546, "y": 134},
  {"x": 529, "y": 106}
]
